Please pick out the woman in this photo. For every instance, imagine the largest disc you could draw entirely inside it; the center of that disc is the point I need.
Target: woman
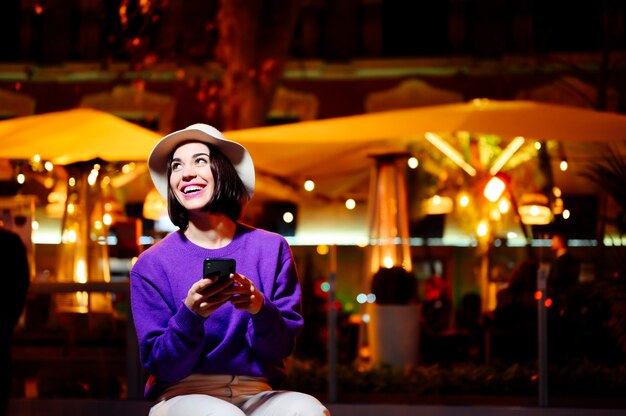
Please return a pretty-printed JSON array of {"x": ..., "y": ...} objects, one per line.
[{"x": 215, "y": 347}]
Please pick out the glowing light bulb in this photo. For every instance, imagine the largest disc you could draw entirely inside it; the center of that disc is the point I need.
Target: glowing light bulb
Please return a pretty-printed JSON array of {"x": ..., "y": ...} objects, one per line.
[
  {"x": 504, "y": 206},
  {"x": 350, "y": 203},
  {"x": 494, "y": 189},
  {"x": 322, "y": 249},
  {"x": 288, "y": 217},
  {"x": 309, "y": 185},
  {"x": 413, "y": 162},
  {"x": 93, "y": 176},
  {"x": 482, "y": 229},
  {"x": 71, "y": 236}
]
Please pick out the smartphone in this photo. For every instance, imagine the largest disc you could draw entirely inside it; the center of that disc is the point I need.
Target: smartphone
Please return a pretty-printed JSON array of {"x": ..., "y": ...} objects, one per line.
[{"x": 222, "y": 268}]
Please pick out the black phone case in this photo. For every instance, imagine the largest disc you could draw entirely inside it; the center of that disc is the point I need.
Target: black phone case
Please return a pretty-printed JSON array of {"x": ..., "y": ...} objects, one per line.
[{"x": 218, "y": 267}]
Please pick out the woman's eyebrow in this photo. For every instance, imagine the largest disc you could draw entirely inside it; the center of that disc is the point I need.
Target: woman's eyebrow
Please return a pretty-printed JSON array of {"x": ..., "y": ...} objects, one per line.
[{"x": 178, "y": 159}]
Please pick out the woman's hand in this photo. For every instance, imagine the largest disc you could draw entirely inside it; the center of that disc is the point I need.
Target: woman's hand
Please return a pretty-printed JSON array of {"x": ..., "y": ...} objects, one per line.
[
  {"x": 206, "y": 295},
  {"x": 245, "y": 296}
]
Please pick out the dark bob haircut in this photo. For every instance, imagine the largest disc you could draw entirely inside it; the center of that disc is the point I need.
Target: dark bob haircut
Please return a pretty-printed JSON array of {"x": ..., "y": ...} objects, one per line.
[{"x": 229, "y": 194}]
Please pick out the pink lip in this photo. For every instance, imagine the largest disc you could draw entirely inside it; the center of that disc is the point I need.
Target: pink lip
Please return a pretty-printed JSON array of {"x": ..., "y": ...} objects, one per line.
[{"x": 193, "y": 194}]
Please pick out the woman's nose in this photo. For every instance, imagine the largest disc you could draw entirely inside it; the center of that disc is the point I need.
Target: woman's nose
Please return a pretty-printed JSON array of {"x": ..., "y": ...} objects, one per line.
[{"x": 188, "y": 171}]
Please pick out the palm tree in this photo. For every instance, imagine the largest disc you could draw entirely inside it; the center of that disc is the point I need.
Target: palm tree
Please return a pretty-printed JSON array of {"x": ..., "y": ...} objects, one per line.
[{"x": 608, "y": 295}]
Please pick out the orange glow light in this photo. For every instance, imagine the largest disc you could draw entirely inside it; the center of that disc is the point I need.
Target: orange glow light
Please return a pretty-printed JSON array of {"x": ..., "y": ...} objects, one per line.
[
  {"x": 494, "y": 189},
  {"x": 538, "y": 295}
]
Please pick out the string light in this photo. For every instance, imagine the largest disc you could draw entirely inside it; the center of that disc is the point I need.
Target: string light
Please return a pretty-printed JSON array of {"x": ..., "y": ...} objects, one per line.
[
  {"x": 288, "y": 217},
  {"x": 504, "y": 206},
  {"x": 322, "y": 249},
  {"x": 482, "y": 229},
  {"x": 413, "y": 162},
  {"x": 464, "y": 200},
  {"x": 350, "y": 203},
  {"x": 309, "y": 185}
]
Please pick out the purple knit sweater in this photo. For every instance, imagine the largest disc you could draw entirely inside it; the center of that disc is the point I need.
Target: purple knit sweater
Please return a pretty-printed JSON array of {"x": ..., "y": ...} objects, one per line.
[{"x": 175, "y": 342}]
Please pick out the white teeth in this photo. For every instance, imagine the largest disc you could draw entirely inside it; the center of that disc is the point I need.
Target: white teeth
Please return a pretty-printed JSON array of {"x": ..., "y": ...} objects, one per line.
[{"x": 190, "y": 189}]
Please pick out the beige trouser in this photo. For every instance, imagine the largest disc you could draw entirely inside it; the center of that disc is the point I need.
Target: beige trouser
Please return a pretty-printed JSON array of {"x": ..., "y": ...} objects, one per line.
[{"x": 235, "y": 396}]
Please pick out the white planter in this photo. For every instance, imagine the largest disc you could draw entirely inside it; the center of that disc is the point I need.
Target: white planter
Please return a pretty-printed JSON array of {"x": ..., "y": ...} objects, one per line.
[{"x": 394, "y": 334}]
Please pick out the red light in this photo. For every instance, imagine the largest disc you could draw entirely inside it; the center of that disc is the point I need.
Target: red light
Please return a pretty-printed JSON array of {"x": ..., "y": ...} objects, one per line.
[
  {"x": 538, "y": 295},
  {"x": 548, "y": 302}
]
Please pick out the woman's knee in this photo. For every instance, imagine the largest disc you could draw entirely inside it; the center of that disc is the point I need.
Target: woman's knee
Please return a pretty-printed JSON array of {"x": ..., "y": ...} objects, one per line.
[
  {"x": 195, "y": 405},
  {"x": 308, "y": 406},
  {"x": 285, "y": 403}
]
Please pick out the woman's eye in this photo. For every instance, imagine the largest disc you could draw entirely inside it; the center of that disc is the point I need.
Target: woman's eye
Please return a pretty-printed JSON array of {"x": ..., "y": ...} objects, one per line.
[
  {"x": 201, "y": 161},
  {"x": 176, "y": 166}
]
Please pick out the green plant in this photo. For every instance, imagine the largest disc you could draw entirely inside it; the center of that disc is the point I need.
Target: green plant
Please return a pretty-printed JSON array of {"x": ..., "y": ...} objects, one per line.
[
  {"x": 610, "y": 295},
  {"x": 610, "y": 175},
  {"x": 583, "y": 379}
]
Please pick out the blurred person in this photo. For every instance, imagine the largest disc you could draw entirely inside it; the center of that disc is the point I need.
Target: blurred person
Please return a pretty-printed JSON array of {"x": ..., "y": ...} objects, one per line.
[
  {"x": 436, "y": 306},
  {"x": 513, "y": 329},
  {"x": 564, "y": 273},
  {"x": 214, "y": 347},
  {"x": 14, "y": 260},
  {"x": 563, "y": 278},
  {"x": 521, "y": 287}
]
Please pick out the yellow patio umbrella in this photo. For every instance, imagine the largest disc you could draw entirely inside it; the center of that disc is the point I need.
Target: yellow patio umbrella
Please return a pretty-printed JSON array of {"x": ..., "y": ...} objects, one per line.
[
  {"x": 83, "y": 140},
  {"x": 336, "y": 150},
  {"x": 77, "y": 135}
]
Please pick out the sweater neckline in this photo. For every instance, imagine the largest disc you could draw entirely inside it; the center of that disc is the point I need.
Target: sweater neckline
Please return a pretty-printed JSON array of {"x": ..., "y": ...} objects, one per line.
[{"x": 225, "y": 251}]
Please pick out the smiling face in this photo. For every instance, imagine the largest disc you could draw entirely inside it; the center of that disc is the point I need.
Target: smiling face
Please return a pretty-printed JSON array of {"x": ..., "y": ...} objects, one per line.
[{"x": 191, "y": 178}]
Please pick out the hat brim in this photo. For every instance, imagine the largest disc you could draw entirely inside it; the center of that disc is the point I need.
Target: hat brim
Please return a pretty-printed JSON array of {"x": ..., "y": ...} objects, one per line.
[{"x": 236, "y": 153}]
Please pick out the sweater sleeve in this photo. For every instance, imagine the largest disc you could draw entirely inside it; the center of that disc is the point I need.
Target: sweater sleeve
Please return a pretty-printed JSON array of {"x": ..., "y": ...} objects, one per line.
[
  {"x": 169, "y": 334},
  {"x": 273, "y": 330}
]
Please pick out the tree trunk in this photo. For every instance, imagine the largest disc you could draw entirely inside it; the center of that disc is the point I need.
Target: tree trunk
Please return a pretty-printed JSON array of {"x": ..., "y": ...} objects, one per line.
[{"x": 255, "y": 36}]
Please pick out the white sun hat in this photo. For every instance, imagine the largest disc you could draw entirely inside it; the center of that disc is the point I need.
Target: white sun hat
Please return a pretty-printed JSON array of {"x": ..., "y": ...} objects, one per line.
[{"x": 236, "y": 153}]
